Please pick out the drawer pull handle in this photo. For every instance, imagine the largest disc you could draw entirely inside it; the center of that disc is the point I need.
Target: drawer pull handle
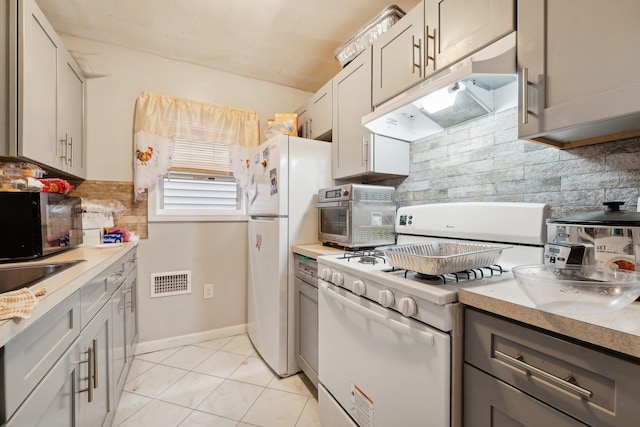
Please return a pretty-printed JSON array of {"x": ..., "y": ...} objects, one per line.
[
  {"x": 95, "y": 363},
  {"x": 90, "y": 367},
  {"x": 525, "y": 96},
  {"x": 417, "y": 65},
  {"x": 518, "y": 362}
]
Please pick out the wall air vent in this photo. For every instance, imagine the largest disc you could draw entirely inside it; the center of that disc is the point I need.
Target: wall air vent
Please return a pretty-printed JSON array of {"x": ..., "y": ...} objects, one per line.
[{"x": 170, "y": 283}]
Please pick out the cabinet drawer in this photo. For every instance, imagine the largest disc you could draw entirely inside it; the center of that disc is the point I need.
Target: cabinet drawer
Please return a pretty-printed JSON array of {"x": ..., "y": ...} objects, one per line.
[
  {"x": 489, "y": 402},
  {"x": 592, "y": 386},
  {"x": 98, "y": 291},
  {"x": 93, "y": 297},
  {"x": 27, "y": 358},
  {"x": 52, "y": 402}
]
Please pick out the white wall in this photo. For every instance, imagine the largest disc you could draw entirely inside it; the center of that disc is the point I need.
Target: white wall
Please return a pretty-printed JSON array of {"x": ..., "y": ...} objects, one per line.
[{"x": 214, "y": 252}]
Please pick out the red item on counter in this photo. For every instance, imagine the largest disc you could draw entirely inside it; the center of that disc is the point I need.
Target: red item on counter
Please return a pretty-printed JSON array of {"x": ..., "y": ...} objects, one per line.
[{"x": 56, "y": 185}]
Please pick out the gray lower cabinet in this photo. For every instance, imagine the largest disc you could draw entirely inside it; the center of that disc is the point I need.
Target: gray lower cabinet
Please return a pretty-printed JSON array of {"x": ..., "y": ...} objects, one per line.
[
  {"x": 52, "y": 403},
  {"x": 95, "y": 384},
  {"x": 493, "y": 403},
  {"x": 124, "y": 328},
  {"x": 517, "y": 375},
  {"x": 27, "y": 359},
  {"x": 68, "y": 368}
]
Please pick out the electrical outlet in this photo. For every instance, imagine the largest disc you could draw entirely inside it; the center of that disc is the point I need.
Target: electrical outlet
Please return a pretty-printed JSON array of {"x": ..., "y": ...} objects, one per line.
[{"x": 208, "y": 291}]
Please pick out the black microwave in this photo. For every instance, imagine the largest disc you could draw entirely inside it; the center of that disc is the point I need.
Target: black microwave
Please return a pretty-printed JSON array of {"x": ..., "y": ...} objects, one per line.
[{"x": 38, "y": 224}]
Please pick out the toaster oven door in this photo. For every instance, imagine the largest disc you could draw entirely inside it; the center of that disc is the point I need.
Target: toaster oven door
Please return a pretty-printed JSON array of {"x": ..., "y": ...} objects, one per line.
[{"x": 335, "y": 223}]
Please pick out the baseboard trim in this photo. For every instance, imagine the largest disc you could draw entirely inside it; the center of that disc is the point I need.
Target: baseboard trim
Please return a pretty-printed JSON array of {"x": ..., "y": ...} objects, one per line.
[{"x": 212, "y": 334}]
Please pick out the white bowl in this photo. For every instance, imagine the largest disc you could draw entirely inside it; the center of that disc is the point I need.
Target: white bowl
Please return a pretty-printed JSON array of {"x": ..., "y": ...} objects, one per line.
[{"x": 578, "y": 289}]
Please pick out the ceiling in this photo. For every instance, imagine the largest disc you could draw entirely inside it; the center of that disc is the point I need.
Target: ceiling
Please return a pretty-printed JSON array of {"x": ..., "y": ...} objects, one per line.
[{"x": 288, "y": 42}]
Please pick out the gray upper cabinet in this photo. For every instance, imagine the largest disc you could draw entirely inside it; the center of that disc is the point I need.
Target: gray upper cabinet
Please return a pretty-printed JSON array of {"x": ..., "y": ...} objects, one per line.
[
  {"x": 71, "y": 126},
  {"x": 37, "y": 90},
  {"x": 454, "y": 29},
  {"x": 303, "y": 120},
  {"x": 46, "y": 87},
  {"x": 315, "y": 117},
  {"x": 432, "y": 36},
  {"x": 356, "y": 152},
  {"x": 398, "y": 56},
  {"x": 321, "y": 106},
  {"x": 352, "y": 100},
  {"x": 580, "y": 80}
]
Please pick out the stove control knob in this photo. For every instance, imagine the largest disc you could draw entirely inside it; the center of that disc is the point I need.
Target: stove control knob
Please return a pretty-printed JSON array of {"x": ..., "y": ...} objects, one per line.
[
  {"x": 358, "y": 287},
  {"x": 385, "y": 298},
  {"x": 408, "y": 306},
  {"x": 337, "y": 279},
  {"x": 325, "y": 274}
]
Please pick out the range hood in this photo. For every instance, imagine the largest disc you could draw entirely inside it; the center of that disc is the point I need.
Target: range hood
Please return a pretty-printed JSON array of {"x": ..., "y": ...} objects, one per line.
[{"x": 482, "y": 83}]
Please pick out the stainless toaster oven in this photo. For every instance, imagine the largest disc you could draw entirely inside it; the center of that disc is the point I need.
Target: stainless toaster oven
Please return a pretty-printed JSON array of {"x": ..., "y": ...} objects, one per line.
[{"x": 357, "y": 215}]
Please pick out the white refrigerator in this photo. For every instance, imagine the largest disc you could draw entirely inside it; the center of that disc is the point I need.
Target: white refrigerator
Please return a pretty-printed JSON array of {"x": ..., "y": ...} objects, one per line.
[{"x": 285, "y": 174}]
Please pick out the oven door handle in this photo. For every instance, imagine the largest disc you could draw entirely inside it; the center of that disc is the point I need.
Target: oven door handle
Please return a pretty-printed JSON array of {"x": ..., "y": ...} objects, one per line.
[
  {"x": 340, "y": 204},
  {"x": 383, "y": 320}
]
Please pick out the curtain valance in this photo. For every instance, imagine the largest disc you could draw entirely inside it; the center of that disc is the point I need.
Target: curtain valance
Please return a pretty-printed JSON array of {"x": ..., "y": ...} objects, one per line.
[{"x": 160, "y": 120}]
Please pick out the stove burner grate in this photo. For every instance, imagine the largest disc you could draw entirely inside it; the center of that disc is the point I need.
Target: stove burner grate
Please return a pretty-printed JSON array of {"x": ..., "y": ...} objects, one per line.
[
  {"x": 365, "y": 256},
  {"x": 472, "y": 274}
]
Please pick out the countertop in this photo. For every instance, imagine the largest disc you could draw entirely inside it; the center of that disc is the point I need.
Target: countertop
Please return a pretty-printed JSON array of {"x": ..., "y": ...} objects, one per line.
[
  {"x": 618, "y": 331},
  {"x": 61, "y": 285},
  {"x": 316, "y": 250}
]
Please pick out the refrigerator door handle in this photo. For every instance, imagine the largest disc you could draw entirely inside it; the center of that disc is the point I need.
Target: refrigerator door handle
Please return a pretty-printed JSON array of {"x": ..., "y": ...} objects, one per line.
[{"x": 264, "y": 218}]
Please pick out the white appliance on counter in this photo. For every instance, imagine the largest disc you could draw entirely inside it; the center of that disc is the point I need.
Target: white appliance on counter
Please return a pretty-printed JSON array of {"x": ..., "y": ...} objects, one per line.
[
  {"x": 390, "y": 340},
  {"x": 285, "y": 175}
]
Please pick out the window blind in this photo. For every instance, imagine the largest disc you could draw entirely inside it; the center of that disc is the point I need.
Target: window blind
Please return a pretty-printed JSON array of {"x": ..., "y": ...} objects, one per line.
[
  {"x": 207, "y": 157},
  {"x": 204, "y": 193}
]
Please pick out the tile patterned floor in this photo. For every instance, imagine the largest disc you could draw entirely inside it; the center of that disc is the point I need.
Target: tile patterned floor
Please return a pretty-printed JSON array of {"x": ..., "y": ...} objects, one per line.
[{"x": 218, "y": 383}]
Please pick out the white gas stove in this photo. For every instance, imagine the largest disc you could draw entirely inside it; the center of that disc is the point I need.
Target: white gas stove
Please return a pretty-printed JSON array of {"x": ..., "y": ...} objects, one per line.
[
  {"x": 520, "y": 227},
  {"x": 368, "y": 307}
]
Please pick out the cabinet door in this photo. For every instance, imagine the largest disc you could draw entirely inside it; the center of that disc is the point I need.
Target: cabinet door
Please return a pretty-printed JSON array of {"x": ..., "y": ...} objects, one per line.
[
  {"x": 52, "y": 403},
  {"x": 457, "y": 28},
  {"x": 95, "y": 383},
  {"x": 131, "y": 310},
  {"x": 489, "y": 402},
  {"x": 351, "y": 101},
  {"x": 38, "y": 46},
  {"x": 321, "y": 112},
  {"x": 118, "y": 306},
  {"x": 303, "y": 120},
  {"x": 398, "y": 56},
  {"x": 577, "y": 74},
  {"x": 71, "y": 130},
  {"x": 306, "y": 312}
]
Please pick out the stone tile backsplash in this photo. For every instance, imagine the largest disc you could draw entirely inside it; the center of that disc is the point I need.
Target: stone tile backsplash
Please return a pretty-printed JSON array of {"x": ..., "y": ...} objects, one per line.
[
  {"x": 485, "y": 161},
  {"x": 133, "y": 218}
]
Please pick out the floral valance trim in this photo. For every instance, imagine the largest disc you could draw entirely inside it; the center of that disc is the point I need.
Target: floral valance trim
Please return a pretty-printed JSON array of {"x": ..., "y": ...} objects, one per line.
[{"x": 160, "y": 119}]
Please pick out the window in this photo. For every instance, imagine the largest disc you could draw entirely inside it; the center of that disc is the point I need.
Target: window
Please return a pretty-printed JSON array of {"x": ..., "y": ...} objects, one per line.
[
  {"x": 186, "y": 193},
  {"x": 192, "y": 157},
  {"x": 199, "y": 184}
]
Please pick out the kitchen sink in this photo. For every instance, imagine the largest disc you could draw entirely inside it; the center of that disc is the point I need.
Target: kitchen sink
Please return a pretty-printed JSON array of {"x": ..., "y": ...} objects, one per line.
[{"x": 19, "y": 276}]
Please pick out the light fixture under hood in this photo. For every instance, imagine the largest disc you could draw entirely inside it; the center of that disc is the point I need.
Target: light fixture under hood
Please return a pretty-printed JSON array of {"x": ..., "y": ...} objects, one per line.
[{"x": 479, "y": 84}]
